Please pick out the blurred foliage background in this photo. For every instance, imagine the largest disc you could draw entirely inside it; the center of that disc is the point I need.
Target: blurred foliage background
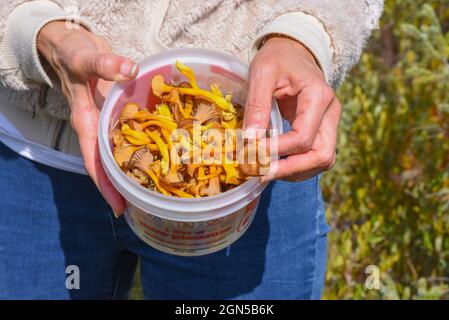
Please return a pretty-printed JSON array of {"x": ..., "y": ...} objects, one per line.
[{"x": 388, "y": 196}]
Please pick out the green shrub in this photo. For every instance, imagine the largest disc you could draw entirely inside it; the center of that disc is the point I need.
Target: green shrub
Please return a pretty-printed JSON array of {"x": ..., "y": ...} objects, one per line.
[{"x": 388, "y": 196}]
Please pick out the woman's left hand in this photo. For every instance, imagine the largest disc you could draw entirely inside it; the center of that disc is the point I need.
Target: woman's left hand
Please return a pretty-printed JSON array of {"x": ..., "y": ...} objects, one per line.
[{"x": 286, "y": 70}]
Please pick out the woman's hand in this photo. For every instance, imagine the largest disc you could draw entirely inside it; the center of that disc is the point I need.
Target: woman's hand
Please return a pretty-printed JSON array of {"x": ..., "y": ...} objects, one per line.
[
  {"x": 286, "y": 70},
  {"x": 82, "y": 62}
]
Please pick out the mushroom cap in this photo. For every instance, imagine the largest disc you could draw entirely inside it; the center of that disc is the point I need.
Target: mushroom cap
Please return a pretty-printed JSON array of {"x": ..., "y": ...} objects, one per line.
[
  {"x": 135, "y": 125},
  {"x": 158, "y": 86},
  {"x": 206, "y": 112},
  {"x": 117, "y": 137},
  {"x": 184, "y": 84},
  {"x": 185, "y": 123},
  {"x": 178, "y": 184},
  {"x": 138, "y": 176},
  {"x": 213, "y": 187},
  {"x": 141, "y": 160},
  {"x": 200, "y": 99},
  {"x": 129, "y": 111},
  {"x": 174, "y": 178},
  {"x": 123, "y": 153}
]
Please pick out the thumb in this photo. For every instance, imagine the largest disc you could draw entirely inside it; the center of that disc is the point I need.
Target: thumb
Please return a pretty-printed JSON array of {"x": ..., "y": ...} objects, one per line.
[
  {"x": 258, "y": 103},
  {"x": 111, "y": 67}
]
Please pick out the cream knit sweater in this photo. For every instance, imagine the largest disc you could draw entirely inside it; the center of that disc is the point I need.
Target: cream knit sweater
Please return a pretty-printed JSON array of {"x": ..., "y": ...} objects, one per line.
[{"x": 335, "y": 32}]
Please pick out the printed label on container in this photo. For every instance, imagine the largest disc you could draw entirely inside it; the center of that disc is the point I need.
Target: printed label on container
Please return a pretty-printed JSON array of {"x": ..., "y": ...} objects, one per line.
[{"x": 190, "y": 238}]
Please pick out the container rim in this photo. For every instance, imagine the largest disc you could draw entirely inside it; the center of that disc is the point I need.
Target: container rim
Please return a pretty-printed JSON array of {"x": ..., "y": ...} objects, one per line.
[{"x": 169, "y": 206}]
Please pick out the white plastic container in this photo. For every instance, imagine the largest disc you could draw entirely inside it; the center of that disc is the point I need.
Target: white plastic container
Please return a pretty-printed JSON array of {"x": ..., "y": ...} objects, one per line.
[{"x": 179, "y": 226}]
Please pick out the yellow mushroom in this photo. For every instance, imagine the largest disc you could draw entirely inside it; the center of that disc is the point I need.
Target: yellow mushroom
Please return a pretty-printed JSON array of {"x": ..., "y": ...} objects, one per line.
[
  {"x": 144, "y": 149},
  {"x": 177, "y": 191},
  {"x": 155, "y": 172},
  {"x": 165, "y": 121},
  {"x": 173, "y": 177},
  {"x": 163, "y": 149},
  {"x": 201, "y": 173},
  {"x": 214, "y": 172},
  {"x": 188, "y": 73},
  {"x": 122, "y": 153},
  {"x": 117, "y": 137},
  {"x": 141, "y": 160},
  {"x": 216, "y": 90},
  {"x": 128, "y": 112},
  {"x": 206, "y": 112},
  {"x": 135, "y": 137},
  {"x": 232, "y": 175},
  {"x": 167, "y": 136},
  {"x": 164, "y": 110},
  {"x": 156, "y": 123},
  {"x": 160, "y": 88},
  {"x": 212, "y": 188},
  {"x": 191, "y": 168}
]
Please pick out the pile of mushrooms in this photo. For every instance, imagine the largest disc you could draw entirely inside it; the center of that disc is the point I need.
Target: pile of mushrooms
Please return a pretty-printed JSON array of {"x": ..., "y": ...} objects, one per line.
[{"x": 144, "y": 149}]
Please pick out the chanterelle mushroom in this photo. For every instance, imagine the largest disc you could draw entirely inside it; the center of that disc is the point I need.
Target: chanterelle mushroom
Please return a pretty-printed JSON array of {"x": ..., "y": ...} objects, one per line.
[
  {"x": 147, "y": 144},
  {"x": 212, "y": 189},
  {"x": 206, "y": 112},
  {"x": 159, "y": 87},
  {"x": 185, "y": 123},
  {"x": 194, "y": 187},
  {"x": 136, "y": 125},
  {"x": 128, "y": 112},
  {"x": 117, "y": 137},
  {"x": 139, "y": 177},
  {"x": 123, "y": 153},
  {"x": 173, "y": 178},
  {"x": 141, "y": 160}
]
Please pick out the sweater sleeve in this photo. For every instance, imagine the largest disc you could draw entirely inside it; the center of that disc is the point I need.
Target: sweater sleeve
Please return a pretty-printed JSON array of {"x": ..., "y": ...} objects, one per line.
[
  {"x": 334, "y": 31},
  {"x": 305, "y": 29}
]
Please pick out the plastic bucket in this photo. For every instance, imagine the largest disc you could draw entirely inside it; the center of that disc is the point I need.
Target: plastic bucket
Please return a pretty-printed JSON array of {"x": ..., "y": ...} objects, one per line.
[{"x": 178, "y": 226}]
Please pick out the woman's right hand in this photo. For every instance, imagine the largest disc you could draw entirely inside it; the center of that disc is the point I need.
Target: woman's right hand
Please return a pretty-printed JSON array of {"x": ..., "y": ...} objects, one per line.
[{"x": 82, "y": 61}]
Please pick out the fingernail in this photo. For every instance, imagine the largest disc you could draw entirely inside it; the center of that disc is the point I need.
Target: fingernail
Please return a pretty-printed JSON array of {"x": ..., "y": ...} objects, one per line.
[
  {"x": 128, "y": 69},
  {"x": 116, "y": 215}
]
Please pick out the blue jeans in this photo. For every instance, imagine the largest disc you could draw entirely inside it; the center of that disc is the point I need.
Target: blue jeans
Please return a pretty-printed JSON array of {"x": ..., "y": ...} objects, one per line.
[{"x": 51, "y": 219}]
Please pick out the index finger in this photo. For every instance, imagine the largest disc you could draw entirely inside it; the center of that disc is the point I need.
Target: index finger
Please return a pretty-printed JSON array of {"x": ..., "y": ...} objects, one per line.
[
  {"x": 298, "y": 167},
  {"x": 260, "y": 96}
]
